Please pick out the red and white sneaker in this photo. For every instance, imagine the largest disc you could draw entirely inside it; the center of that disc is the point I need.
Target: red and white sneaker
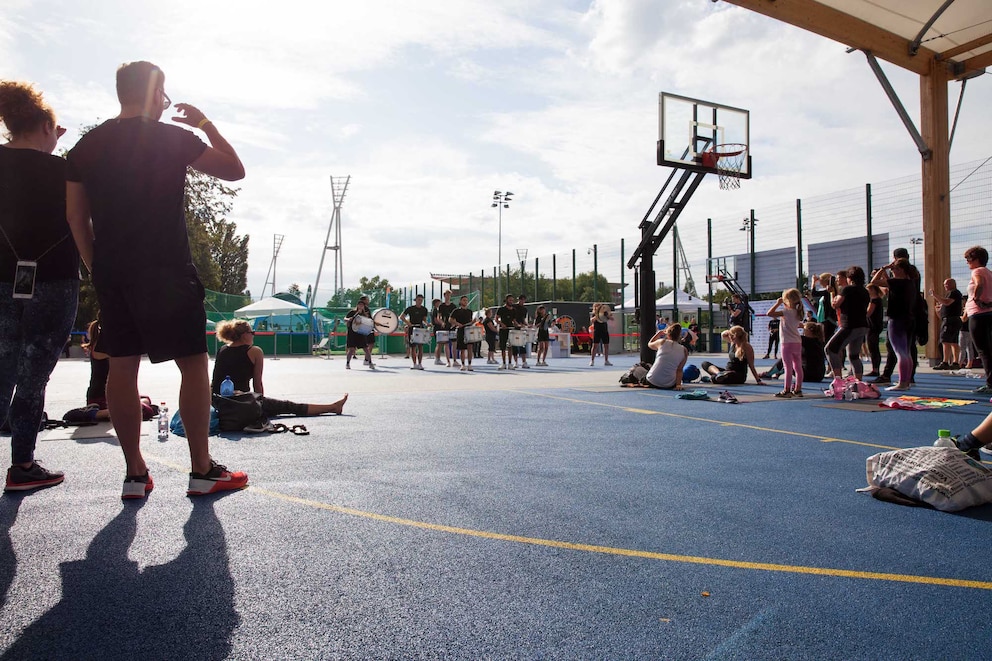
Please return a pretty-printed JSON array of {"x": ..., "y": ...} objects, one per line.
[
  {"x": 217, "y": 479},
  {"x": 137, "y": 486}
]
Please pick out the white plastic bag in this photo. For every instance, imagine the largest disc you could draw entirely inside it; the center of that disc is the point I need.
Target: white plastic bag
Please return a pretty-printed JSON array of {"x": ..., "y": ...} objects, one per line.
[{"x": 946, "y": 478}]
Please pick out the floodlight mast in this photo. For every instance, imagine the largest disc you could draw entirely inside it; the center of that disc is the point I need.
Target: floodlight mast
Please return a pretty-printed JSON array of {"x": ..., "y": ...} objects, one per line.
[
  {"x": 339, "y": 187},
  {"x": 501, "y": 201}
]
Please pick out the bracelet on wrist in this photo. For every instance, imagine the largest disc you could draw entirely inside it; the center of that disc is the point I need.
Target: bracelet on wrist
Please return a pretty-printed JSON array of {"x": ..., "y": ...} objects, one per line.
[{"x": 203, "y": 122}]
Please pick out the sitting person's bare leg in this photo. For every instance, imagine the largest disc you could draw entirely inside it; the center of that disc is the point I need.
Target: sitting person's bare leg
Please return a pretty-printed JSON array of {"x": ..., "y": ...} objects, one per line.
[{"x": 336, "y": 408}]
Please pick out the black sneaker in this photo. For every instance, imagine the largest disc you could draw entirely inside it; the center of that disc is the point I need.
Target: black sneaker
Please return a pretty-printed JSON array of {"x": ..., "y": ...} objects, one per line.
[
  {"x": 882, "y": 380},
  {"x": 35, "y": 477},
  {"x": 942, "y": 366}
]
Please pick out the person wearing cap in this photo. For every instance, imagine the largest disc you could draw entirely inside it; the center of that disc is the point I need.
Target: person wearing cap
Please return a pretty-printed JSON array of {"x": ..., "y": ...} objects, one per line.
[{"x": 415, "y": 316}]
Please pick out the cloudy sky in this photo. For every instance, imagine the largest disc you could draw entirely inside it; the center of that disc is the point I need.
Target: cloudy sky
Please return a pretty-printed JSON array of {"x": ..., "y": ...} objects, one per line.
[{"x": 432, "y": 105}]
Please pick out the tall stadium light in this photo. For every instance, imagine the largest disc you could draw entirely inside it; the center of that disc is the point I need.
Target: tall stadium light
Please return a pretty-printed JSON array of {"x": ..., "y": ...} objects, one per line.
[{"x": 501, "y": 201}]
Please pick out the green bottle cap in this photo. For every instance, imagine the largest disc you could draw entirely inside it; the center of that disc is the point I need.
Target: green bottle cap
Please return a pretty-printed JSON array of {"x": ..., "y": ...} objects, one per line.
[{"x": 943, "y": 433}]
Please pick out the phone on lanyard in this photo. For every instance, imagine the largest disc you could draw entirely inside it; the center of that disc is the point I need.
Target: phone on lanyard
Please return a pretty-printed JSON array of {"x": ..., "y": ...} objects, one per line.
[{"x": 24, "y": 279}]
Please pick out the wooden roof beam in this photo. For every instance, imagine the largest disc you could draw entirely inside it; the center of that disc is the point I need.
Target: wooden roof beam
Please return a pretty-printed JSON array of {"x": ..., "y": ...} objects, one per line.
[
  {"x": 965, "y": 47},
  {"x": 844, "y": 28}
]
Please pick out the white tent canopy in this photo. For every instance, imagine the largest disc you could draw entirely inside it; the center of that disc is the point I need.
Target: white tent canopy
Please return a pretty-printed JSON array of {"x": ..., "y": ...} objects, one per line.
[
  {"x": 687, "y": 301},
  {"x": 270, "y": 306}
]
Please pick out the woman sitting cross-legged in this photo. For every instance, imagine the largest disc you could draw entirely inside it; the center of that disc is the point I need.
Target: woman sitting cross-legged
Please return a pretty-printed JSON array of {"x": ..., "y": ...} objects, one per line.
[{"x": 242, "y": 361}]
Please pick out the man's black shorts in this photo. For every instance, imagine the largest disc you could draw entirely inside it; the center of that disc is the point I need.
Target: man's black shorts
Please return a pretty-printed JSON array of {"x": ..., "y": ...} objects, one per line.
[
  {"x": 504, "y": 338},
  {"x": 158, "y": 311},
  {"x": 950, "y": 327}
]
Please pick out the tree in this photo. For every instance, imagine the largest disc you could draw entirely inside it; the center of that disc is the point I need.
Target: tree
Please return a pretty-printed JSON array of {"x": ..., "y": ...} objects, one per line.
[
  {"x": 295, "y": 290},
  {"x": 219, "y": 254}
]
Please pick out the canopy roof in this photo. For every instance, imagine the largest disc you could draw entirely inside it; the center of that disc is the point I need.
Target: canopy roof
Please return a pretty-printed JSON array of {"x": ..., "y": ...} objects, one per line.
[
  {"x": 267, "y": 306},
  {"x": 908, "y": 33}
]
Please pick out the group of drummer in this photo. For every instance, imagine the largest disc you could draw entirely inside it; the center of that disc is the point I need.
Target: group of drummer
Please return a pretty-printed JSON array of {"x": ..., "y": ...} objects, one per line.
[{"x": 457, "y": 333}]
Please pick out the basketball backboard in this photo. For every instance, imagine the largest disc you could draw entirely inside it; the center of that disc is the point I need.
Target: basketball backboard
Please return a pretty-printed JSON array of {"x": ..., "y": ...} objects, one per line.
[{"x": 689, "y": 131}]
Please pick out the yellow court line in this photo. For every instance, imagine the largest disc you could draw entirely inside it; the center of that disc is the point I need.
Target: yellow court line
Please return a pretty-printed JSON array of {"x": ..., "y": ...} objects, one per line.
[
  {"x": 632, "y": 553},
  {"x": 722, "y": 423}
]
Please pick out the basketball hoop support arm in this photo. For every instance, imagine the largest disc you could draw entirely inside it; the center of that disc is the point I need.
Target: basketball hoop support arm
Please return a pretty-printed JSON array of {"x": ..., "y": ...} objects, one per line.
[{"x": 652, "y": 234}]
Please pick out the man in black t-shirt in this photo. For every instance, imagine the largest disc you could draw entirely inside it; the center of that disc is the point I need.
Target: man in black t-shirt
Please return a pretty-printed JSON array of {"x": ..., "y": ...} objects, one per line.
[
  {"x": 415, "y": 316},
  {"x": 520, "y": 318},
  {"x": 457, "y": 321},
  {"x": 126, "y": 209},
  {"x": 950, "y": 306},
  {"x": 443, "y": 311},
  {"x": 505, "y": 318}
]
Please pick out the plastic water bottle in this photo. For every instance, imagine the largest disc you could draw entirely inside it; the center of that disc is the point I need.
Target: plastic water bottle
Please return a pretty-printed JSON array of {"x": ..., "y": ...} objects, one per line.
[
  {"x": 163, "y": 422},
  {"x": 227, "y": 387},
  {"x": 944, "y": 439}
]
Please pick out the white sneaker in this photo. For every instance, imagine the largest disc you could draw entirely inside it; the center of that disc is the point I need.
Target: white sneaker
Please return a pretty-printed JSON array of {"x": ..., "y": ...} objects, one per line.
[
  {"x": 608, "y": 363},
  {"x": 419, "y": 366},
  {"x": 513, "y": 367},
  {"x": 592, "y": 363},
  {"x": 437, "y": 361},
  {"x": 463, "y": 369},
  {"x": 525, "y": 365},
  {"x": 501, "y": 367},
  {"x": 470, "y": 369}
]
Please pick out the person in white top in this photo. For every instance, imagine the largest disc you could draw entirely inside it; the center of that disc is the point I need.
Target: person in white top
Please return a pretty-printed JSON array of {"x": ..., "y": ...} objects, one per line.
[
  {"x": 666, "y": 372},
  {"x": 790, "y": 309}
]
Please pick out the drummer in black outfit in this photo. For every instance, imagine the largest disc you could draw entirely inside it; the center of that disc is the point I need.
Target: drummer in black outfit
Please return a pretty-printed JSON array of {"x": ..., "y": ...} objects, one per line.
[
  {"x": 415, "y": 316},
  {"x": 355, "y": 340},
  {"x": 459, "y": 319},
  {"x": 521, "y": 320},
  {"x": 505, "y": 317},
  {"x": 492, "y": 333},
  {"x": 444, "y": 311}
]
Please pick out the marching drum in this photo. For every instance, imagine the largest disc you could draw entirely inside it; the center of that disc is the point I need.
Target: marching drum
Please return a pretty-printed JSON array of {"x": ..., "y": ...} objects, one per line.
[
  {"x": 442, "y": 337},
  {"x": 473, "y": 334},
  {"x": 531, "y": 335},
  {"x": 362, "y": 325},
  {"x": 385, "y": 321},
  {"x": 518, "y": 338},
  {"x": 419, "y": 335}
]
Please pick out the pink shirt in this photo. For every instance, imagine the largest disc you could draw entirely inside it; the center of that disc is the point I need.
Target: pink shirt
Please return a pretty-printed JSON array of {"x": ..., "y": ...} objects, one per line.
[{"x": 972, "y": 308}]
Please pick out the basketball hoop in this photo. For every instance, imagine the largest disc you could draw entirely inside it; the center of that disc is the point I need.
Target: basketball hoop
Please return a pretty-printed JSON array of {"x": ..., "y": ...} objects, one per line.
[{"x": 728, "y": 160}]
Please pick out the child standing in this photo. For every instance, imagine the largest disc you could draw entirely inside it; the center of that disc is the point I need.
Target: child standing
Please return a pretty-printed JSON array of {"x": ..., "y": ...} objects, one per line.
[{"x": 790, "y": 309}]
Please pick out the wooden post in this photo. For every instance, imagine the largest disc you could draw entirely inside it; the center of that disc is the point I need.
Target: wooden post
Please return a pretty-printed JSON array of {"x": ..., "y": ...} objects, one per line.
[{"x": 936, "y": 178}]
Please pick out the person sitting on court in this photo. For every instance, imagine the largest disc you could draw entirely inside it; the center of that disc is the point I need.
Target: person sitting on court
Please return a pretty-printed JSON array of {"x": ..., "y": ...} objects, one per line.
[
  {"x": 242, "y": 361},
  {"x": 96, "y": 392},
  {"x": 814, "y": 362},
  {"x": 740, "y": 360},
  {"x": 666, "y": 372}
]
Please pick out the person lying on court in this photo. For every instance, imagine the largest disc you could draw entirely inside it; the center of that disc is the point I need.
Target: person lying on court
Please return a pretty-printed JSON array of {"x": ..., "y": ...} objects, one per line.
[
  {"x": 243, "y": 362},
  {"x": 739, "y": 360}
]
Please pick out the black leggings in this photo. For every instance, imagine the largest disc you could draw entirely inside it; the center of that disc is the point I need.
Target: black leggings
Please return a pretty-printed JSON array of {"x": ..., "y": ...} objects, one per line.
[
  {"x": 273, "y": 407},
  {"x": 728, "y": 377}
]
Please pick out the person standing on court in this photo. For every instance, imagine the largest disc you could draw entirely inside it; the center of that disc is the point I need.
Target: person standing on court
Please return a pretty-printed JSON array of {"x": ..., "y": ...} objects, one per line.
[
  {"x": 39, "y": 274},
  {"x": 521, "y": 321},
  {"x": 505, "y": 316},
  {"x": 125, "y": 205},
  {"x": 979, "y": 310},
  {"x": 458, "y": 320},
  {"x": 950, "y": 307},
  {"x": 415, "y": 316},
  {"x": 600, "y": 318}
]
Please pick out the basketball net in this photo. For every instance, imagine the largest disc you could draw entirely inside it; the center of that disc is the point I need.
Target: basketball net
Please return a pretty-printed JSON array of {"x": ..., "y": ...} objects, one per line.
[{"x": 728, "y": 159}]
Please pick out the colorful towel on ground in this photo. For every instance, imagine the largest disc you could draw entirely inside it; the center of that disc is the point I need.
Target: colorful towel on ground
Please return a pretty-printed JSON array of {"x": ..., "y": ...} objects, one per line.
[{"x": 910, "y": 403}]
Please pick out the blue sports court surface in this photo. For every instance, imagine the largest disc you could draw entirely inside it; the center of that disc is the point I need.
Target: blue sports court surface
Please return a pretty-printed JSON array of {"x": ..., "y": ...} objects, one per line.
[{"x": 545, "y": 514}]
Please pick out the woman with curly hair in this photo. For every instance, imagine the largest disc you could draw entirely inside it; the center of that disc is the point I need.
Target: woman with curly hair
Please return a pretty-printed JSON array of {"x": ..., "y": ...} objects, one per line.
[
  {"x": 242, "y": 361},
  {"x": 39, "y": 274}
]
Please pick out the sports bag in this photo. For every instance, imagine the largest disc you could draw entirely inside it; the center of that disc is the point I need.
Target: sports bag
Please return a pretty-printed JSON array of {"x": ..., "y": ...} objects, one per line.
[
  {"x": 945, "y": 478},
  {"x": 236, "y": 412}
]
